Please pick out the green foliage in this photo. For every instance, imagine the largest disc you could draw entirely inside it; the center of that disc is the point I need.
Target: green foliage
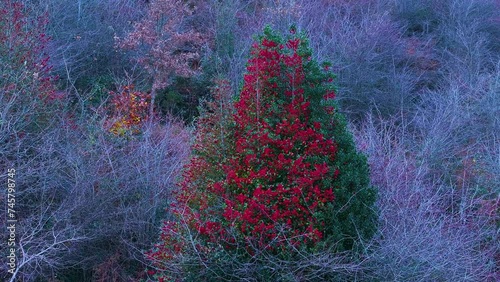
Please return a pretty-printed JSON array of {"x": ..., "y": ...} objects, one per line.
[
  {"x": 99, "y": 89},
  {"x": 353, "y": 210},
  {"x": 182, "y": 97}
]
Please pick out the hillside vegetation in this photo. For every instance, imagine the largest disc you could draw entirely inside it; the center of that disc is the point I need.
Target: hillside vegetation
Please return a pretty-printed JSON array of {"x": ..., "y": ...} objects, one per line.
[{"x": 250, "y": 140}]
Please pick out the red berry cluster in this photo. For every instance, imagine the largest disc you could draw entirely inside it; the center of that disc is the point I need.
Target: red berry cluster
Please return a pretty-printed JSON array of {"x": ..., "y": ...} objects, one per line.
[
  {"x": 273, "y": 185},
  {"x": 262, "y": 171}
]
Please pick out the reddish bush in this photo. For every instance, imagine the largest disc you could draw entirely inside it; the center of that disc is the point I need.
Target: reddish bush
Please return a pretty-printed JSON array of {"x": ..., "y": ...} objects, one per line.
[
  {"x": 26, "y": 84},
  {"x": 129, "y": 109},
  {"x": 23, "y": 42}
]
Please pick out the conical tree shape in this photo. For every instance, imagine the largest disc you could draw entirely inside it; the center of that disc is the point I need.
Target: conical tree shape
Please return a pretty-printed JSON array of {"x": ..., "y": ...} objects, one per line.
[{"x": 273, "y": 174}]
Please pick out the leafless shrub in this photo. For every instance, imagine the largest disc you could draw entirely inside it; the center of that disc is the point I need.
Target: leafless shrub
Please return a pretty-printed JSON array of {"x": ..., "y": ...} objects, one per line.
[
  {"x": 83, "y": 37},
  {"x": 83, "y": 195},
  {"x": 376, "y": 64},
  {"x": 45, "y": 231},
  {"x": 429, "y": 230},
  {"x": 231, "y": 25}
]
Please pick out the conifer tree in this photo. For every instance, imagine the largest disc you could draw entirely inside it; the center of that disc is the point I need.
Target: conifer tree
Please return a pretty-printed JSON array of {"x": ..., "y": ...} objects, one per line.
[{"x": 273, "y": 175}]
